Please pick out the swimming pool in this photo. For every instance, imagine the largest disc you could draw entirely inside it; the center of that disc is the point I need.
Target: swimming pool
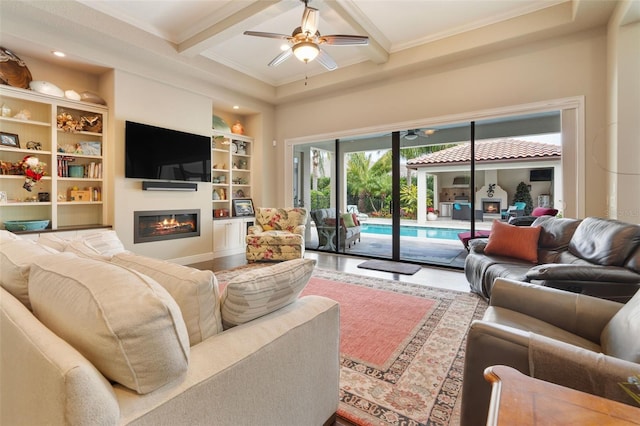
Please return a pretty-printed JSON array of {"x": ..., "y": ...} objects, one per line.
[{"x": 412, "y": 231}]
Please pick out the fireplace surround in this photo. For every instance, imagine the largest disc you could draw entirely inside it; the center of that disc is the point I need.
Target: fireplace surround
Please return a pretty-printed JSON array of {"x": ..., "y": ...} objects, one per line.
[{"x": 159, "y": 225}]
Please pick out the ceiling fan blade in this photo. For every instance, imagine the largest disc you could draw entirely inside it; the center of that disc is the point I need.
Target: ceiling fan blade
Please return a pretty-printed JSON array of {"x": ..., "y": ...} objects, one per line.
[
  {"x": 281, "y": 58},
  {"x": 344, "y": 40},
  {"x": 267, "y": 35},
  {"x": 309, "y": 20},
  {"x": 326, "y": 60}
]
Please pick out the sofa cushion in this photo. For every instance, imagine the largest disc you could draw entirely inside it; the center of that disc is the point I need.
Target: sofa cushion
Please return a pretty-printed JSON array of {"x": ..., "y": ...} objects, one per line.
[
  {"x": 513, "y": 241},
  {"x": 16, "y": 258},
  {"x": 604, "y": 241},
  {"x": 8, "y": 236},
  {"x": 262, "y": 291},
  {"x": 633, "y": 262},
  {"x": 195, "y": 291},
  {"x": 122, "y": 321},
  {"x": 619, "y": 337},
  {"x": 555, "y": 233}
]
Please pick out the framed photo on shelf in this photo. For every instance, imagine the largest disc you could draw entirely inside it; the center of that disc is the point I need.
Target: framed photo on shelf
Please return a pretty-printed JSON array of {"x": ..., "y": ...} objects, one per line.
[
  {"x": 9, "y": 139},
  {"x": 242, "y": 207}
]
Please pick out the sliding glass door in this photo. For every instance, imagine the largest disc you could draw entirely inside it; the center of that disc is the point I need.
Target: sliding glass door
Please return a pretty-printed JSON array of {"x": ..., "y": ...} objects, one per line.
[{"x": 415, "y": 195}]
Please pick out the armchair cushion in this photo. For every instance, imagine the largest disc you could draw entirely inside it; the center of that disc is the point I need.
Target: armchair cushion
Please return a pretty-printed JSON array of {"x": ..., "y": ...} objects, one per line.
[
  {"x": 604, "y": 242},
  {"x": 262, "y": 291},
  {"x": 513, "y": 241}
]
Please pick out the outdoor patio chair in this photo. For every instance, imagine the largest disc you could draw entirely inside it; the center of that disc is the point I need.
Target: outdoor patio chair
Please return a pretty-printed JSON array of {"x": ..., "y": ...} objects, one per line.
[
  {"x": 517, "y": 209},
  {"x": 462, "y": 211},
  {"x": 352, "y": 208}
]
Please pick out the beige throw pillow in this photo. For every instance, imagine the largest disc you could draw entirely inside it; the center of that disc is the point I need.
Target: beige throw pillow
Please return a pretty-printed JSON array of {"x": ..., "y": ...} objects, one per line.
[
  {"x": 122, "y": 321},
  {"x": 16, "y": 258},
  {"x": 195, "y": 291},
  {"x": 265, "y": 290}
]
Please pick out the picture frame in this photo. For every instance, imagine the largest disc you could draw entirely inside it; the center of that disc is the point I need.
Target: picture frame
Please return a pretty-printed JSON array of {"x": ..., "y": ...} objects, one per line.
[
  {"x": 9, "y": 139},
  {"x": 242, "y": 207}
]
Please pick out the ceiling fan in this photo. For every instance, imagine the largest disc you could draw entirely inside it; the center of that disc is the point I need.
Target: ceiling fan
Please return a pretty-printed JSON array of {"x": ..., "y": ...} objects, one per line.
[
  {"x": 413, "y": 134},
  {"x": 306, "y": 40}
]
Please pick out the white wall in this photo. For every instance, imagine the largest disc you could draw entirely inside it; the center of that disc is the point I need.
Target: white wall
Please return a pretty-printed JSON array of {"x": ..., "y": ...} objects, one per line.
[
  {"x": 559, "y": 68},
  {"x": 149, "y": 102}
]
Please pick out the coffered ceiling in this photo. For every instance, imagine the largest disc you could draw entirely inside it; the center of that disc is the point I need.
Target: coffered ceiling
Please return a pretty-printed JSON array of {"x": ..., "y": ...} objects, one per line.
[{"x": 205, "y": 40}]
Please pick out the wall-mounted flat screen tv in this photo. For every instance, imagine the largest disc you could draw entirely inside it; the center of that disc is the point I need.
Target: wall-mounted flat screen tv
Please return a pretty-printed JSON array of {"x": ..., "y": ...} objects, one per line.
[
  {"x": 540, "y": 175},
  {"x": 163, "y": 154}
]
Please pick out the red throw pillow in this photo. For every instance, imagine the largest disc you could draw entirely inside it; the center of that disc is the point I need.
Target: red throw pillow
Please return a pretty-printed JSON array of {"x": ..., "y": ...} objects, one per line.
[
  {"x": 544, "y": 211},
  {"x": 520, "y": 242}
]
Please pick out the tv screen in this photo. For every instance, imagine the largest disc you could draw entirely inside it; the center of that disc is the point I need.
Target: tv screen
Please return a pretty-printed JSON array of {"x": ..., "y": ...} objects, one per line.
[
  {"x": 163, "y": 154},
  {"x": 540, "y": 175}
]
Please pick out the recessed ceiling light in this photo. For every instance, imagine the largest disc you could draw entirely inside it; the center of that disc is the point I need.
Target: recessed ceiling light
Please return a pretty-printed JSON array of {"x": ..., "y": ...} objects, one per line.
[
  {"x": 236, "y": 107},
  {"x": 59, "y": 54}
]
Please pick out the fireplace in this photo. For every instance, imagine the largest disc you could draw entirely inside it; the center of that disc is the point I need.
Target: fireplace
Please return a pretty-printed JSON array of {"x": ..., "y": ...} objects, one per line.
[
  {"x": 491, "y": 206},
  {"x": 159, "y": 225}
]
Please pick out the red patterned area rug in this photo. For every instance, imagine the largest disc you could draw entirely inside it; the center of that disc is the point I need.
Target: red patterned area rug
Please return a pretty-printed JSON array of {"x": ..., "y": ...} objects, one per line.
[{"x": 402, "y": 347}]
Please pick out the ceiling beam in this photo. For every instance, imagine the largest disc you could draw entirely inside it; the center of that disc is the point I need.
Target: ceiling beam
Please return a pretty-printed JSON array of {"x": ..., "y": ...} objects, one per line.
[
  {"x": 214, "y": 34},
  {"x": 378, "y": 48}
]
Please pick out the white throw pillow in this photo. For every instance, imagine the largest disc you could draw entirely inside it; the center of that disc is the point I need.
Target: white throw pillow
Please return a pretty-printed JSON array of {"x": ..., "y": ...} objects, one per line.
[
  {"x": 50, "y": 239},
  {"x": 16, "y": 258},
  {"x": 82, "y": 249},
  {"x": 123, "y": 322},
  {"x": 8, "y": 236},
  {"x": 106, "y": 243},
  {"x": 195, "y": 291},
  {"x": 265, "y": 290}
]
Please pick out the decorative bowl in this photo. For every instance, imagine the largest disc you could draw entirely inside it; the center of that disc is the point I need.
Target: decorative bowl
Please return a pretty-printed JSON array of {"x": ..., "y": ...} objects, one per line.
[
  {"x": 46, "y": 88},
  {"x": 25, "y": 225}
]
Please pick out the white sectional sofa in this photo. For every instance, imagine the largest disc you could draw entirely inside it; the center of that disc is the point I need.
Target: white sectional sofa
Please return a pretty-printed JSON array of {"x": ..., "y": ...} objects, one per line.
[{"x": 94, "y": 335}]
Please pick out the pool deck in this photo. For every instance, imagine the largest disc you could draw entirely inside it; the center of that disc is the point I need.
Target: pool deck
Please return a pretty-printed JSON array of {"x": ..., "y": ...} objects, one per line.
[{"x": 435, "y": 251}]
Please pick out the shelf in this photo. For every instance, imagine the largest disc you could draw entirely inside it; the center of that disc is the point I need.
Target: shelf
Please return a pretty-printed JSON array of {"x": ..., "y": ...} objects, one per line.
[
  {"x": 77, "y": 203},
  {"x": 25, "y": 203},
  {"x": 22, "y": 177},
  {"x": 25, "y": 151},
  {"x": 20, "y": 121}
]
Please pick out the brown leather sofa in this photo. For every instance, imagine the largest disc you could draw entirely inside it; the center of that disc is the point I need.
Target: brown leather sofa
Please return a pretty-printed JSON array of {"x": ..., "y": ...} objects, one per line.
[
  {"x": 576, "y": 341},
  {"x": 593, "y": 256}
]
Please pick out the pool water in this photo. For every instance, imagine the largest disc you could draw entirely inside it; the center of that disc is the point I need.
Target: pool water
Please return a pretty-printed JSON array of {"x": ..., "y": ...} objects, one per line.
[{"x": 412, "y": 231}]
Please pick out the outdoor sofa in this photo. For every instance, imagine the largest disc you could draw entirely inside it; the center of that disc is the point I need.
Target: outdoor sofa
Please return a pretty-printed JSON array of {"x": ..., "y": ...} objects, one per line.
[
  {"x": 94, "y": 335},
  {"x": 347, "y": 230},
  {"x": 593, "y": 256}
]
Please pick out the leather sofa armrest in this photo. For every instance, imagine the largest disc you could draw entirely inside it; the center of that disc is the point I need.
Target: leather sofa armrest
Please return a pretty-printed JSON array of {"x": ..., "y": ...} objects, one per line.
[
  {"x": 477, "y": 245},
  {"x": 583, "y": 273},
  {"x": 578, "y": 368},
  {"x": 582, "y": 315}
]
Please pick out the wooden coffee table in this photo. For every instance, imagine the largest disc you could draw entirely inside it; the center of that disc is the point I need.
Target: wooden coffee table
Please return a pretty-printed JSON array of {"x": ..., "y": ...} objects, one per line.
[{"x": 517, "y": 399}]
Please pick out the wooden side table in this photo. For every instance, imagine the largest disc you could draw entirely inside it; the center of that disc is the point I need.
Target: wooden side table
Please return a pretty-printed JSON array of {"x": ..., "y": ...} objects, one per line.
[{"x": 517, "y": 399}]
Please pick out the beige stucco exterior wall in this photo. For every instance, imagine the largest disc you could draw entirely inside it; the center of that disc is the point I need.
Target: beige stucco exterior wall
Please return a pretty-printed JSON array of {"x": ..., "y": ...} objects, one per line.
[{"x": 563, "y": 67}]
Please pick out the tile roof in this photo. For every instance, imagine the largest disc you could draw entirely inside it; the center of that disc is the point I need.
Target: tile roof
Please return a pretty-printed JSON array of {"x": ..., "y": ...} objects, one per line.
[{"x": 503, "y": 149}]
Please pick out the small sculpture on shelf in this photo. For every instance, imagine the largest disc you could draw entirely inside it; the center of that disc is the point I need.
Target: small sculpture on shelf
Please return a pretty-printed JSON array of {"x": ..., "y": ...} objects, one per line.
[
  {"x": 33, "y": 169},
  {"x": 237, "y": 128}
]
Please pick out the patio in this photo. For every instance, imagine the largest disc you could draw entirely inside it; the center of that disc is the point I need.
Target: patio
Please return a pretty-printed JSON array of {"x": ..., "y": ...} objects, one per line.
[{"x": 435, "y": 251}]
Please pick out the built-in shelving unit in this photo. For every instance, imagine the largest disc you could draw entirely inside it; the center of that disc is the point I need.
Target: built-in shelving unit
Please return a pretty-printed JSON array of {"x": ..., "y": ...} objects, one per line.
[
  {"x": 231, "y": 171},
  {"x": 73, "y": 152}
]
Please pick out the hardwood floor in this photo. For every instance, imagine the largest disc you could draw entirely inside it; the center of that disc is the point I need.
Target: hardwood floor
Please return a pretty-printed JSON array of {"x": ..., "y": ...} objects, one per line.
[{"x": 432, "y": 276}]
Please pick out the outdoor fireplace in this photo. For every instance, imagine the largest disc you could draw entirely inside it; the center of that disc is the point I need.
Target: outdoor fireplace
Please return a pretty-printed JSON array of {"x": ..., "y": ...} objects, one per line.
[
  {"x": 491, "y": 206},
  {"x": 159, "y": 225}
]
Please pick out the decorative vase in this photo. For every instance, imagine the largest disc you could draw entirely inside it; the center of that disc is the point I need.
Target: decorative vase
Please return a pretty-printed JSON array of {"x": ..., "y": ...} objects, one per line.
[{"x": 237, "y": 128}]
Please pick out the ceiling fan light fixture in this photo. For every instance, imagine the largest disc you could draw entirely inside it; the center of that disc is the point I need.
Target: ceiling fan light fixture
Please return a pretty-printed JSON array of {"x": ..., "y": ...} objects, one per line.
[
  {"x": 411, "y": 136},
  {"x": 306, "y": 51}
]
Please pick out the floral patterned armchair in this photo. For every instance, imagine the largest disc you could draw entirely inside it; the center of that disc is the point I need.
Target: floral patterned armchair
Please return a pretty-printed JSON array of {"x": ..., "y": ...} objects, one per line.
[{"x": 278, "y": 234}]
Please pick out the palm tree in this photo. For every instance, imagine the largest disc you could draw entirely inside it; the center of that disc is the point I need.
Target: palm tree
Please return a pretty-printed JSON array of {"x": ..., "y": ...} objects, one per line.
[{"x": 318, "y": 158}]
